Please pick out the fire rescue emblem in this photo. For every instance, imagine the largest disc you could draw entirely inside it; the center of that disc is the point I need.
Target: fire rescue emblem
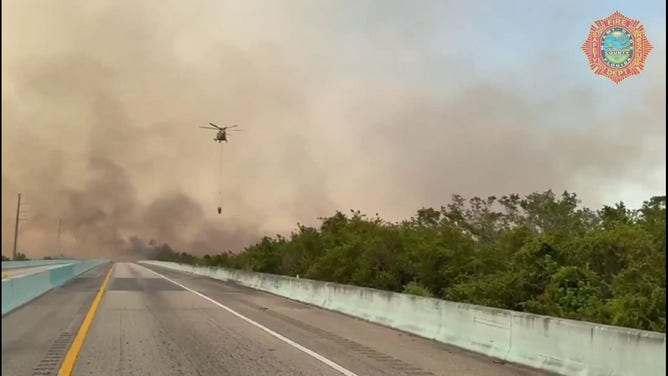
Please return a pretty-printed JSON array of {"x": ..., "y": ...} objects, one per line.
[{"x": 617, "y": 47}]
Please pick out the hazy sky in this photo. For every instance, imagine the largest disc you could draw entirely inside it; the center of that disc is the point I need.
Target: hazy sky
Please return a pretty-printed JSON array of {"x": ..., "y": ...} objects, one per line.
[{"x": 383, "y": 106}]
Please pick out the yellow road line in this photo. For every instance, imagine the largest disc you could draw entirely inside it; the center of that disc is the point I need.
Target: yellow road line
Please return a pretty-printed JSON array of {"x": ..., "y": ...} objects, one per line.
[{"x": 71, "y": 357}]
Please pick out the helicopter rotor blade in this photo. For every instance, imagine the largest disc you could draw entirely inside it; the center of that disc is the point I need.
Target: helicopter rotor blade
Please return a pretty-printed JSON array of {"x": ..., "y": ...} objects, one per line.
[
  {"x": 216, "y": 126},
  {"x": 234, "y": 126},
  {"x": 208, "y": 128}
]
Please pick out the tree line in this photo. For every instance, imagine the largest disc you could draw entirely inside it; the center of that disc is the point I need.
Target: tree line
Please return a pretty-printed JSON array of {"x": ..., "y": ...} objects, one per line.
[
  {"x": 542, "y": 253},
  {"x": 19, "y": 257}
]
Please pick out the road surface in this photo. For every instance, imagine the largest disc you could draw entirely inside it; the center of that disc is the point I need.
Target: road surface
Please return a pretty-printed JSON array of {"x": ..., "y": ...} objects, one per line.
[
  {"x": 172, "y": 323},
  {"x": 18, "y": 272}
]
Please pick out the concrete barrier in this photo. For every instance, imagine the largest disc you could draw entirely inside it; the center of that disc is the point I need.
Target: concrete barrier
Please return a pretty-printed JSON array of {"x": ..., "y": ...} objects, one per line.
[
  {"x": 561, "y": 346},
  {"x": 6, "y": 265},
  {"x": 21, "y": 290}
]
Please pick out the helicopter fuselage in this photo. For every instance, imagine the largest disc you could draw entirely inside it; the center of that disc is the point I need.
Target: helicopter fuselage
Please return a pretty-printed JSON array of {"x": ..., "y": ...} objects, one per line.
[{"x": 221, "y": 136}]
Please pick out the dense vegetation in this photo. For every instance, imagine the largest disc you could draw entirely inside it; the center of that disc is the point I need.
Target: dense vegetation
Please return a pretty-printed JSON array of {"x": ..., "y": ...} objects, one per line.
[
  {"x": 19, "y": 257},
  {"x": 541, "y": 253}
]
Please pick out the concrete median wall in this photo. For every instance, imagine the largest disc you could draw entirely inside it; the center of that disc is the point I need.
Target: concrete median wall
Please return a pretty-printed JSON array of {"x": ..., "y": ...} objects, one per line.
[
  {"x": 556, "y": 345},
  {"x": 6, "y": 265},
  {"x": 21, "y": 290}
]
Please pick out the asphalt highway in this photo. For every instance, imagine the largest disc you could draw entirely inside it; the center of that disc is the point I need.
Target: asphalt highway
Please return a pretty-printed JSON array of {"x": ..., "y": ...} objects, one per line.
[{"x": 155, "y": 321}]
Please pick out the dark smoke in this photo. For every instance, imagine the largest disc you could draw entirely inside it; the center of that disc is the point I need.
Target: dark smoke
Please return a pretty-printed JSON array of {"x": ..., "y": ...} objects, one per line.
[
  {"x": 145, "y": 250},
  {"x": 106, "y": 217}
]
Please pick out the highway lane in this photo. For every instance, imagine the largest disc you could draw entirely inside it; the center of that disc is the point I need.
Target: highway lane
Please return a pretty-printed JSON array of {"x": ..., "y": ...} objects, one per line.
[
  {"x": 174, "y": 323},
  {"x": 147, "y": 324},
  {"x": 18, "y": 272}
]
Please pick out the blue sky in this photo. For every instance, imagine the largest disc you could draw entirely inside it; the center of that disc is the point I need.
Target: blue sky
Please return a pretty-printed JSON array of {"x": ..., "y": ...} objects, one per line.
[
  {"x": 553, "y": 31},
  {"x": 533, "y": 48},
  {"x": 534, "y": 45}
]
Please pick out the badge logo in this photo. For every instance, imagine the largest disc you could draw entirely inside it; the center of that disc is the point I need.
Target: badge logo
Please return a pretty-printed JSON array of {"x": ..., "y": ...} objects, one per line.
[{"x": 617, "y": 47}]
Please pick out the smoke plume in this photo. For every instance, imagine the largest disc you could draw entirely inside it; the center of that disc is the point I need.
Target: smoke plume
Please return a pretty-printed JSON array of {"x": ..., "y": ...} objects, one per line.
[{"x": 342, "y": 106}]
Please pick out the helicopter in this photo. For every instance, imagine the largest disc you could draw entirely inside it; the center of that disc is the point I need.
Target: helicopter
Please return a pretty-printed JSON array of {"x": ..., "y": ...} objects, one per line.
[{"x": 222, "y": 131}]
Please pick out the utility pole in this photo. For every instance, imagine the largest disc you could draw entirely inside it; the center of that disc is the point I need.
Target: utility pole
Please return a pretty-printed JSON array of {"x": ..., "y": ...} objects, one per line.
[
  {"x": 60, "y": 224},
  {"x": 16, "y": 228}
]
